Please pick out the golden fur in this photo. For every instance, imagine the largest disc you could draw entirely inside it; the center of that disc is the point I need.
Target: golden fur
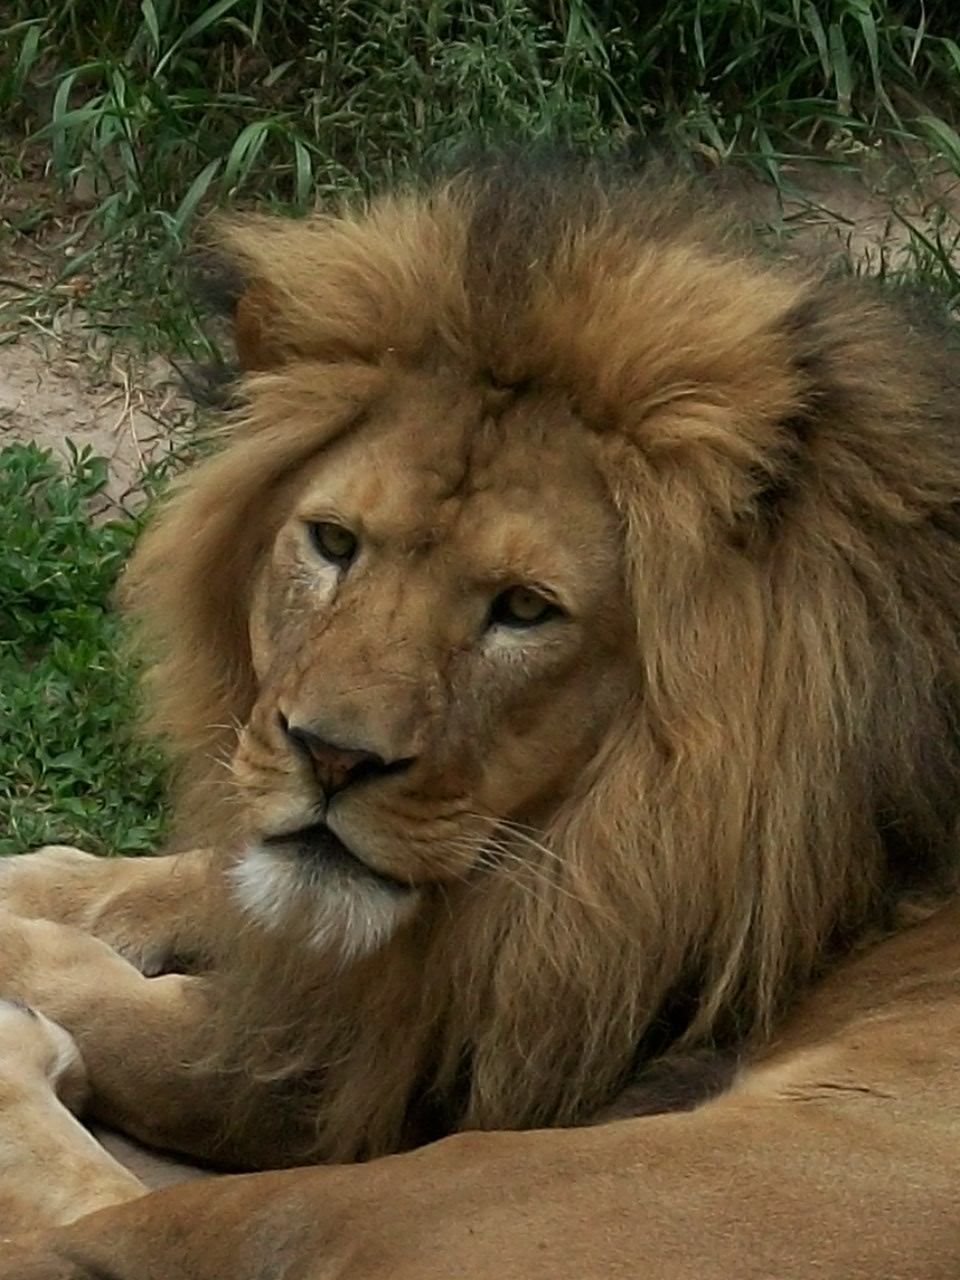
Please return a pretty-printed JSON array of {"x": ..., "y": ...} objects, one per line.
[{"x": 742, "y": 763}]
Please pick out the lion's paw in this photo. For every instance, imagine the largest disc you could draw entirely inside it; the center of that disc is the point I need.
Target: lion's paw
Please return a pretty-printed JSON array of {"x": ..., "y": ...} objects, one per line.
[
  {"x": 64, "y": 854},
  {"x": 148, "y": 910},
  {"x": 45, "y": 884},
  {"x": 52, "y": 1170},
  {"x": 34, "y": 1049}
]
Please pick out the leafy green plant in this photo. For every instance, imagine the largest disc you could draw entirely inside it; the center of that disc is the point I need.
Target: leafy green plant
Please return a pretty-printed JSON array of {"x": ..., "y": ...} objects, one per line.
[{"x": 69, "y": 769}]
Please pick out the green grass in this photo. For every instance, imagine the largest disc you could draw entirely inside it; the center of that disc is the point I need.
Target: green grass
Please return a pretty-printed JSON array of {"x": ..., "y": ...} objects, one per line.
[
  {"x": 159, "y": 109},
  {"x": 69, "y": 769}
]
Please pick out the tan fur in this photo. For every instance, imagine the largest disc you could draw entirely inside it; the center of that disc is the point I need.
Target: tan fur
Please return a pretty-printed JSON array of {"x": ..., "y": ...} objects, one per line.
[{"x": 640, "y": 830}]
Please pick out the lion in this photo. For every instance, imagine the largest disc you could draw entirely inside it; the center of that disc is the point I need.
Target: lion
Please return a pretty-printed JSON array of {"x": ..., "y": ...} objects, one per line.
[{"x": 558, "y": 654}]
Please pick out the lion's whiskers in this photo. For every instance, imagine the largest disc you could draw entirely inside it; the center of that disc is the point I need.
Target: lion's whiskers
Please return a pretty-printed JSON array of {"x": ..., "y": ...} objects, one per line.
[{"x": 494, "y": 854}]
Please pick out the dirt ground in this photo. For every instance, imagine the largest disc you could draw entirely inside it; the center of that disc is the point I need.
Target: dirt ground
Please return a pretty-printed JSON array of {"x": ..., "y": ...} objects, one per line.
[
  {"x": 127, "y": 410},
  {"x": 61, "y": 378}
]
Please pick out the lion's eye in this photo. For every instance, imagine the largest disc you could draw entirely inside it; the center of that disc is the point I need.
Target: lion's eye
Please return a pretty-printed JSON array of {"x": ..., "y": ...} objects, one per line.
[
  {"x": 334, "y": 542},
  {"x": 521, "y": 607}
]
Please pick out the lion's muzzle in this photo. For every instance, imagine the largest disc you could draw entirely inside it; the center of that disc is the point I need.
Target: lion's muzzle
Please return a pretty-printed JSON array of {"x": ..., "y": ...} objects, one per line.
[{"x": 320, "y": 852}]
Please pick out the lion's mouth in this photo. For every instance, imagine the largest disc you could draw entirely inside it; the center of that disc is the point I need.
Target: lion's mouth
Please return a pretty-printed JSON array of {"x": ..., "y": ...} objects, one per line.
[{"x": 318, "y": 847}]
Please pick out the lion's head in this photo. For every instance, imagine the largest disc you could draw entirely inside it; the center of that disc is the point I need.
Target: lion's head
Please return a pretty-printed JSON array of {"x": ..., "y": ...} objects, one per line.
[{"x": 562, "y": 646}]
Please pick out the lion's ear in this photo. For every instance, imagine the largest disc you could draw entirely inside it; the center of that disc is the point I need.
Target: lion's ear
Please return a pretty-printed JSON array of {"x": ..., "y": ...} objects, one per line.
[
  {"x": 258, "y": 271},
  {"x": 252, "y": 331},
  {"x": 859, "y": 378},
  {"x": 227, "y": 278},
  {"x": 826, "y": 350}
]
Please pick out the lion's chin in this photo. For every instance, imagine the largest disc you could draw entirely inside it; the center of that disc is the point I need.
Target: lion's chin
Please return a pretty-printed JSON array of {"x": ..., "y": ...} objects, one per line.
[{"x": 308, "y": 883}]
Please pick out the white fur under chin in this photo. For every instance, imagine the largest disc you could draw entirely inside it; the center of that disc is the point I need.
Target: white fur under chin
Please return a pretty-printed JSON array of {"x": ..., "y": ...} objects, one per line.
[{"x": 351, "y": 917}]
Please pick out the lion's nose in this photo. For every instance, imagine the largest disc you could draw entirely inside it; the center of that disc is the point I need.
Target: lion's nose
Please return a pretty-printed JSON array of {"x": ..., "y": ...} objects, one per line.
[{"x": 337, "y": 766}]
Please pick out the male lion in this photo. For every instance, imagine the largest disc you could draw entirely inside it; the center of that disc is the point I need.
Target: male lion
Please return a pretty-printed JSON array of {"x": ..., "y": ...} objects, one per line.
[{"x": 561, "y": 657}]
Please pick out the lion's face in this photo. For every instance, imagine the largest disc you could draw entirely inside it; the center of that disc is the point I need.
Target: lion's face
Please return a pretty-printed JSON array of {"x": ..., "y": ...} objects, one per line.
[{"x": 440, "y": 636}]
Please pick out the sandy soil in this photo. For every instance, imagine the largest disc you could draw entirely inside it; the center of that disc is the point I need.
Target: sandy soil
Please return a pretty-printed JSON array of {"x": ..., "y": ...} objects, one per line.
[
  {"x": 128, "y": 411},
  {"x": 61, "y": 377}
]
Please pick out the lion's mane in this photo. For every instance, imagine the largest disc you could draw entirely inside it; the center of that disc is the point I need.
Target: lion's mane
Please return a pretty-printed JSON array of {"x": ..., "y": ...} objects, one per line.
[{"x": 788, "y": 475}]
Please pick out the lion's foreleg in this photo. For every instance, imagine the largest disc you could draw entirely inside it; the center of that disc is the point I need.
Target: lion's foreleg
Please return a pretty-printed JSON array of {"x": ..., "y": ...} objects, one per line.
[
  {"x": 51, "y": 1170},
  {"x": 746, "y": 1189},
  {"x": 152, "y": 910},
  {"x": 139, "y": 1037}
]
